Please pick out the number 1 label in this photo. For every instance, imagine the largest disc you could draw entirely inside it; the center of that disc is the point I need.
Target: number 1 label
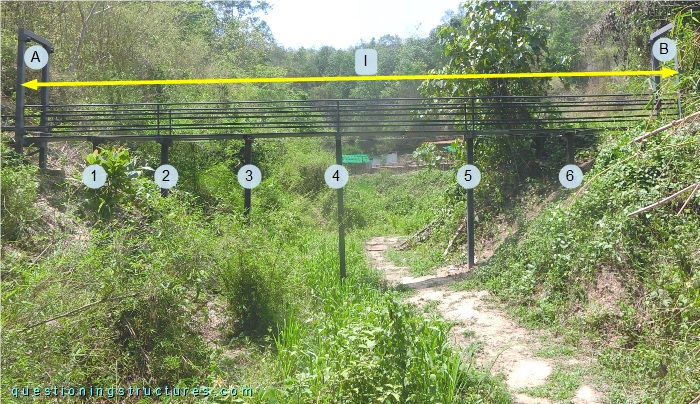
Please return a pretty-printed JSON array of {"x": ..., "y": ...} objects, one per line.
[{"x": 94, "y": 176}]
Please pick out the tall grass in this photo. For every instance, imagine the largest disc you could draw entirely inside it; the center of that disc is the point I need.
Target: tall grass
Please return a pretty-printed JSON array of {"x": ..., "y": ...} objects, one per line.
[{"x": 130, "y": 297}]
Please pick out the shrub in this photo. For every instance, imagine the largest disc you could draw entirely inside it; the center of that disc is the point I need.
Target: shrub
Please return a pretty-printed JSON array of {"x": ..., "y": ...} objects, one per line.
[
  {"x": 159, "y": 344},
  {"x": 19, "y": 191},
  {"x": 372, "y": 348},
  {"x": 254, "y": 289},
  {"x": 119, "y": 167}
]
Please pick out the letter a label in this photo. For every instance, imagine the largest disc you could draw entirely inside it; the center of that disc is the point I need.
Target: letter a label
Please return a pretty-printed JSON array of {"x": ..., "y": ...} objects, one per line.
[{"x": 36, "y": 57}]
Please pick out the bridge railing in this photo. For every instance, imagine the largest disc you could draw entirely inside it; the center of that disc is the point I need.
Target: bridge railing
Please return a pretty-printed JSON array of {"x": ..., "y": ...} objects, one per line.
[{"x": 485, "y": 115}]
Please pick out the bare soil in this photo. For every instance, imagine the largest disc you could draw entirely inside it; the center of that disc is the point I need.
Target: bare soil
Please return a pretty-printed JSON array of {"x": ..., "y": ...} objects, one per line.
[{"x": 508, "y": 348}]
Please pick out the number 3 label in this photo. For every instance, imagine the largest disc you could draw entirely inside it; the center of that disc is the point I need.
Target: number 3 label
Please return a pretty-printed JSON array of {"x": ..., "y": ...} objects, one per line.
[
  {"x": 570, "y": 176},
  {"x": 249, "y": 176},
  {"x": 468, "y": 176},
  {"x": 166, "y": 176},
  {"x": 94, "y": 176},
  {"x": 336, "y": 176}
]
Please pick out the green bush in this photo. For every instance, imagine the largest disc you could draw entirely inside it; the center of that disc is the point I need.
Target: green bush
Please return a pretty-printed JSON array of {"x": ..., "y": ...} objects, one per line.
[
  {"x": 118, "y": 188},
  {"x": 376, "y": 349},
  {"x": 19, "y": 191},
  {"x": 158, "y": 341},
  {"x": 254, "y": 289}
]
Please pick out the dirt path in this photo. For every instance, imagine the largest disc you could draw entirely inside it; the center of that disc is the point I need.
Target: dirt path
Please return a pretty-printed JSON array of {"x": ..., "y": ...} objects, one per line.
[{"x": 507, "y": 347}]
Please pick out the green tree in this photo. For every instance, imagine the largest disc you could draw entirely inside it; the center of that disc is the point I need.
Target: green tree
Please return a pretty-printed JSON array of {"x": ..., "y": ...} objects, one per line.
[{"x": 491, "y": 37}]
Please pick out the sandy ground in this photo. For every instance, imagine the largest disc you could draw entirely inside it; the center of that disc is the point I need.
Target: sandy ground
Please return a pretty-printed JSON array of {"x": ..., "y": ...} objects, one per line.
[{"x": 507, "y": 347}]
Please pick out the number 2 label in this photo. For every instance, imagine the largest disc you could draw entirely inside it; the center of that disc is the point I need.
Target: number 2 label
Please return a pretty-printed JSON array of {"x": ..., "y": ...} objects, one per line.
[{"x": 166, "y": 176}]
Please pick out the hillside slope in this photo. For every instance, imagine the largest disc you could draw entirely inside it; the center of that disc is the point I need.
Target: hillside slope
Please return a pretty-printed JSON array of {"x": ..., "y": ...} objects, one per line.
[{"x": 627, "y": 284}]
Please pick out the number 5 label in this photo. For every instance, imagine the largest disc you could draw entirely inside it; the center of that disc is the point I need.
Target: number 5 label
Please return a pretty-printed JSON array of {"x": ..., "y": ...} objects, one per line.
[
  {"x": 249, "y": 176},
  {"x": 166, "y": 176},
  {"x": 336, "y": 176},
  {"x": 468, "y": 176}
]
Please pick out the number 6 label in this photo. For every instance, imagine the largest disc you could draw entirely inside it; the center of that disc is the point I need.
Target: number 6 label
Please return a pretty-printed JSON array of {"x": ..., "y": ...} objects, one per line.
[
  {"x": 166, "y": 176},
  {"x": 468, "y": 176},
  {"x": 249, "y": 176},
  {"x": 94, "y": 176},
  {"x": 336, "y": 176},
  {"x": 570, "y": 176}
]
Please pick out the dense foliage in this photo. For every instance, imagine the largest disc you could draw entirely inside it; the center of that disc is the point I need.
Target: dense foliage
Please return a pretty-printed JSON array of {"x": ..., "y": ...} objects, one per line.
[
  {"x": 646, "y": 265},
  {"x": 119, "y": 286}
]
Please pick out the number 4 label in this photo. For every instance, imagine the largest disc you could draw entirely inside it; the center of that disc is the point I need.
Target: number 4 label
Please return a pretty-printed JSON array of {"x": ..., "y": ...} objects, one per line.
[{"x": 336, "y": 176}]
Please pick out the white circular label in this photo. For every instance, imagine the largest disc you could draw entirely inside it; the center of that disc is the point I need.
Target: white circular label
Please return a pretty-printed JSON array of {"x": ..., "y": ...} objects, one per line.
[
  {"x": 468, "y": 176},
  {"x": 166, "y": 176},
  {"x": 94, "y": 176},
  {"x": 570, "y": 176},
  {"x": 36, "y": 57},
  {"x": 249, "y": 176},
  {"x": 336, "y": 176},
  {"x": 664, "y": 49}
]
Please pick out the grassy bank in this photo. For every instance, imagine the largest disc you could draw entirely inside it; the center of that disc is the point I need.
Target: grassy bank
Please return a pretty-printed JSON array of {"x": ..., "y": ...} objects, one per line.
[
  {"x": 628, "y": 285},
  {"x": 115, "y": 288}
]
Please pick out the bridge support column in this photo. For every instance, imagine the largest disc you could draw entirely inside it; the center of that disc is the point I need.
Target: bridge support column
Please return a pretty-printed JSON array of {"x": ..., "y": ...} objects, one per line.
[
  {"x": 570, "y": 156},
  {"x": 469, "y": 140},
  {"x": 24, "y": 36},
  {"x": 341, "y": 208},
  {"x": 165, "y": 159},
  {"x": 43, "y": 148},
  {"x": 247, "y": 159}
]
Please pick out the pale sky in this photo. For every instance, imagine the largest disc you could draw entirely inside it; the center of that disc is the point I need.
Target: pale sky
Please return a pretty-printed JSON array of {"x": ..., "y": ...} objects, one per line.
[{"x": 344, "y": 23}]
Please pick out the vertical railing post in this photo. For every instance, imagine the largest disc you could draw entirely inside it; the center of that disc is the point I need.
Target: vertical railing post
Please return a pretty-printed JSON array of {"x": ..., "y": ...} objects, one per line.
[
  {"x": 19, "y": 91},
  {"x": 470, "y": 192},
  {"x": 341, "y": 215},
  {"x": 247, "y": 159},
  {"x": 158, "y": 119},
  {"x": 656, "y": 80},
  {"x": 165, "y": 159}
]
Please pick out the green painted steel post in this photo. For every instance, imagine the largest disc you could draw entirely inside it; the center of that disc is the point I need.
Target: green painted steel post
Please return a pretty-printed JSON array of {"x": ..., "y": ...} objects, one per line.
[
  {"x": 341, "y": 220},
  {"x": 470, "y": 192},
  {"x": 247, "y": 159},
  {"x": 165, "y": 159}
]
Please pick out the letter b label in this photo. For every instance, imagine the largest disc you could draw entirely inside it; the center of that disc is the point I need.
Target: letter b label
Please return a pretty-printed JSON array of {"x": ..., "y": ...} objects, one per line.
[{"x": 664, "y": 49}]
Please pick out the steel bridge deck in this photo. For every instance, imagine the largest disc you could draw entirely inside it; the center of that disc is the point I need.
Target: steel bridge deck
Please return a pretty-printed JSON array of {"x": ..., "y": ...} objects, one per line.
[{"x": 194, "y": 121}]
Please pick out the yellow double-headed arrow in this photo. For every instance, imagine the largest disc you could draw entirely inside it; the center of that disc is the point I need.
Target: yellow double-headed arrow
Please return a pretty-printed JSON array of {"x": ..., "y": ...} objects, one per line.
[{"x": 35, "y": 84}]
